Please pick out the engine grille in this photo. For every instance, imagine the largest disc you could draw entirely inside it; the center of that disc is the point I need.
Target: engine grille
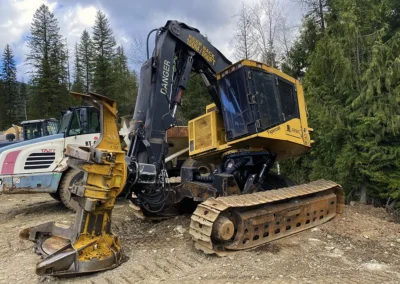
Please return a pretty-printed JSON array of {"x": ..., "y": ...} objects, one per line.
[{"x": 37, "y": 161}]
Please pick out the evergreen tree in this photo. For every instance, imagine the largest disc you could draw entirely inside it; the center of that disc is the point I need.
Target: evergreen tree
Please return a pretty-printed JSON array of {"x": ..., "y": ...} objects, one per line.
[
  {"x": 125, "y": 85},
  {"x": 78, "y": 85},
  {"x": 297, "y": 62},
  {"x": 352, "y": 92},
  {"x": 85, "y": 57},
  {"x": 10, "y": 91},
  {"x": 23, "y": 95},
  {"x": 103, "y": 43},
  {"x": 375, "y": 114},
  {"x": 48, "y": 58},
  {"x": 2, "y": 106},
  {"x": 316, "y": 10},
  {"x": 194, "y": 100}
]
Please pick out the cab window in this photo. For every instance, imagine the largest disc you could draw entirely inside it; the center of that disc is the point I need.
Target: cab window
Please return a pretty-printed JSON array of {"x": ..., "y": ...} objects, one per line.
[
  {"x": 75, "y": 126},
  {"x": 92, "y": 125}
]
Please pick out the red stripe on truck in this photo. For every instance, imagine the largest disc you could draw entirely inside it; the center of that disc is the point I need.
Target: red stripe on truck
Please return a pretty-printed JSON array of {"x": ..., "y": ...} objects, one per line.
[{"x": 9, "y": 163}]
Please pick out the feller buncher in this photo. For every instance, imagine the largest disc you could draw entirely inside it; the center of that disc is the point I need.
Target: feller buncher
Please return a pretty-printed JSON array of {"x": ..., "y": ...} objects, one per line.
[{"x": 258, "y": 117}]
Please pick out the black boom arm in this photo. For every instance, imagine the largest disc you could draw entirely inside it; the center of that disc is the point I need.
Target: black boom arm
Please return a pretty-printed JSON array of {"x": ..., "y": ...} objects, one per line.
[{"x": 179, "y": 50}]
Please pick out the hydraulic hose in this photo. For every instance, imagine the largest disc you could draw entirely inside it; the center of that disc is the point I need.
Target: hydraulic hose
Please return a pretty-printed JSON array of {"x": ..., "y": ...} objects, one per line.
[
  {"x": 147, "y": 42},
  {"x": 236, "y": 166}
]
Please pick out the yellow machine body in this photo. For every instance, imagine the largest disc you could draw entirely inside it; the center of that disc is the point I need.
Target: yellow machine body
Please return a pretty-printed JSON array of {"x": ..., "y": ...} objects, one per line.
[{"x": 207, "y": 140}]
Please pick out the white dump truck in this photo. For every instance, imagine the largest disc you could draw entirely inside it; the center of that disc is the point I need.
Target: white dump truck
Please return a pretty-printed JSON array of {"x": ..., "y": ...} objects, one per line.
[{"x": 39, "y": 165}]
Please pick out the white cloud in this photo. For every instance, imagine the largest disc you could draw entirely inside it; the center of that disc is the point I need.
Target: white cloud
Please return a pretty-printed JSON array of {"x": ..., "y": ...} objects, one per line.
[
  {"x": 15, "y": 19},
  {"x": 86, "y": 15},
  {"x": 73, "y": 21}
]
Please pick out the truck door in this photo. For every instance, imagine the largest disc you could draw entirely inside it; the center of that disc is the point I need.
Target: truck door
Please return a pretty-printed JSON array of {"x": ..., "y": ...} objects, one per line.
[{"x": 84, "y": 127}]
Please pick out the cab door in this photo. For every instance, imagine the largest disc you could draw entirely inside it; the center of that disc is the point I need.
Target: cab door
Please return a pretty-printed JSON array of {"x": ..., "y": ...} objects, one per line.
[{"x": 84, "y": 128}]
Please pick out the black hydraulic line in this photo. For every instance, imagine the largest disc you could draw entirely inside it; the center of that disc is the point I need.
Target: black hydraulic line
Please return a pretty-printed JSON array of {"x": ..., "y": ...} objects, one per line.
[
  {"x": 153, "y": 211},
  {"x": 236, "y": 166},
  {"x": 147, "y": 43},
  {"x": 156, "y": 202},
  {"x": 161, "y": 202}
]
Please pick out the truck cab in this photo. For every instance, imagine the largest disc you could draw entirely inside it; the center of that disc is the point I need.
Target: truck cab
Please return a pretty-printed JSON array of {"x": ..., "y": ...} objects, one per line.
[
  {"x": 39, "y": 165},
  {"x": 31, "y": 129},
  {"x": 38, "y": 128}
]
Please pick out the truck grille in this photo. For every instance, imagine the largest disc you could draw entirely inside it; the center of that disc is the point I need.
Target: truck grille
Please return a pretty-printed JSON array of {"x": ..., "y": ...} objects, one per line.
[{"x": 37, "y": 161}]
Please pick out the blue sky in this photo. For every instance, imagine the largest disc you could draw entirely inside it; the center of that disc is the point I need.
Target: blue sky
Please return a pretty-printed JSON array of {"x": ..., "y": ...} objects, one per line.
[{"x": 215, "y": 18}]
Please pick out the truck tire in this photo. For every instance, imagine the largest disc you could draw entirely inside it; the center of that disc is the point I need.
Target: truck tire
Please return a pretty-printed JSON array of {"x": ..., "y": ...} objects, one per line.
[
  {"x": 69, "y": 177},
  {"x": 55, "y": 196}
]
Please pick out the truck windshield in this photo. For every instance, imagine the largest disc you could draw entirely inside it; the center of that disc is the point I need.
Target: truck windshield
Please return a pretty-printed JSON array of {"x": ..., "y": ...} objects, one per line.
[
  {"x": 33, "y": 130},
  {"x": 52, "y": 127},
  {"x": 65, "y": 122}
]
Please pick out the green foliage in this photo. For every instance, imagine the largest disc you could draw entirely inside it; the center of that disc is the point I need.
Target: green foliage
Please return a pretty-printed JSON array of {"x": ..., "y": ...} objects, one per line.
[
  {"x": 84, "y": 55},
  {"x": 23, "y": 96},
  {"x": 352, "y": 84},
  {"x": 2, "y": 106},
  {"x": 48, "y": 59},
  {"x": 9, "y": 94},
  {"x": 79, "y": 84},
  {"x": 104, "y": 45},
  {"x": 194, "y": 100},
  {"x": 101, "y": 68},
  {"x": 297, "y": 62},
  {"x": 125, "y": 84}
]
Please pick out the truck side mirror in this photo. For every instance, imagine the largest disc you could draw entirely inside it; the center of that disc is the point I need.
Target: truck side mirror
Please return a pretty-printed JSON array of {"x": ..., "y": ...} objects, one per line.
[
  {"x": 83, "y": 117},
  {"x": 10, "y": 137}
]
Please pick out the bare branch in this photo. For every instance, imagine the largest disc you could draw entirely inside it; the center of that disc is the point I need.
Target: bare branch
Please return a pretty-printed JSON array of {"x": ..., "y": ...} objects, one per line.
[
  {"x": 316, "y": 8},
  {"x": 244, "y": 40},
  {"x": 286, "y": 34},
  {"x": 137, "y": 50}
]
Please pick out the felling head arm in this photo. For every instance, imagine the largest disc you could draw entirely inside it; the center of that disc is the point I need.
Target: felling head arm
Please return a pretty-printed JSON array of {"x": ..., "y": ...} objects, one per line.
[{"x": 88, "y": 245}]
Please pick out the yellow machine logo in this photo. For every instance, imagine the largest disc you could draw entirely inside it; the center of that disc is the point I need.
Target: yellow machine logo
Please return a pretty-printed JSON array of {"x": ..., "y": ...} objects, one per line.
[{"x": 201, "y": 49}]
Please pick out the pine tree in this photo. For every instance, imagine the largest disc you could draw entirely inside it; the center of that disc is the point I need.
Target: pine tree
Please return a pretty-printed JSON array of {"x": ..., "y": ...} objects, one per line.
[
  {"x": 48, "y": 58},
  {"x": 10, "y": 91},
  {"x": 194, "y": 100},
  {"x": 352, "y": 91},
  {"x": 317, "y": 11},
  {"x": 85, "y": 57},
  {"x": 103, "y": 43},
  {"x": 297, "y": 62},
  {"x": 2, "y": 106},
  {"x": 78, "y": 85},
  {"x": 125, "y": 85},
  {"x": 23, "y": 95}
]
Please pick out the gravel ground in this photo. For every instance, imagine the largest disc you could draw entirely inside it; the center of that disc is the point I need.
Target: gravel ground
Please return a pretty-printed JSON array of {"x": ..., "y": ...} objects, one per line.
[{"x": 361, "y": 246}]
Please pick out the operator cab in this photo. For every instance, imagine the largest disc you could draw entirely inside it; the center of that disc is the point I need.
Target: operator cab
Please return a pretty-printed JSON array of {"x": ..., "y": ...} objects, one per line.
[
  {"x": 254, "y": 99},
  {"x": 79, "y": 121},
  {"x": 38, "y": 128},
  {"x": 260, "y": 108}
]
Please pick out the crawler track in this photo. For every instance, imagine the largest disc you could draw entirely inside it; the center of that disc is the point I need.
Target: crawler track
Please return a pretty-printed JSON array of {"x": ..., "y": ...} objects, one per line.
[{"x": 260, "y": 218}]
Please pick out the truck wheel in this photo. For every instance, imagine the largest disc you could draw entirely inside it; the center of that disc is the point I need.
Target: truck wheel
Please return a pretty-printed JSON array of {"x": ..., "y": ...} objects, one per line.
[
  {"x": 68, "y": 179},
  {"x": 55, "y": 196}
]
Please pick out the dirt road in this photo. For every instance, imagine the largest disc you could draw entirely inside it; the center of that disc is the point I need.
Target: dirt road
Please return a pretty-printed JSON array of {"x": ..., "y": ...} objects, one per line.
[{"x": 361, "y": 246}]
